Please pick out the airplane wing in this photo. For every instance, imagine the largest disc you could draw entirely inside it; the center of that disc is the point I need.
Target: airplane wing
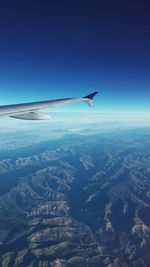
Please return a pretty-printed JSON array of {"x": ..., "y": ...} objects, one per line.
[{"x": 30, "y": 111}]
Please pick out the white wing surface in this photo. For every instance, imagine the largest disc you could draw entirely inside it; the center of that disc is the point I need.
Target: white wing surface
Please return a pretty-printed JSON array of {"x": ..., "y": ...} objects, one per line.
[{"x": 30, "y": 111}]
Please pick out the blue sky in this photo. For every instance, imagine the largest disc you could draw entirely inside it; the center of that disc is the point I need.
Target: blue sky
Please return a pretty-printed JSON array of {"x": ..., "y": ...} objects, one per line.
[{"x": 54, "y": 49}]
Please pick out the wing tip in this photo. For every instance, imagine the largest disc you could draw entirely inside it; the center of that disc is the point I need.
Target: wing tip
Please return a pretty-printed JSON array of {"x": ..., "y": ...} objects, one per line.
[{"x": 91, "y": 96}]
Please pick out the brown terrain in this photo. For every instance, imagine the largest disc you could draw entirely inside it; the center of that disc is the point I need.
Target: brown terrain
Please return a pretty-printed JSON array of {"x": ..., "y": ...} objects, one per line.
[{"x": 79, "y": 201}]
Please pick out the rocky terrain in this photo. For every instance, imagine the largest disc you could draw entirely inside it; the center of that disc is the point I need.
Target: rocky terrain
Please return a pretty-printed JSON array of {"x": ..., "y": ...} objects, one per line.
[{"x": 79, "y": 201}]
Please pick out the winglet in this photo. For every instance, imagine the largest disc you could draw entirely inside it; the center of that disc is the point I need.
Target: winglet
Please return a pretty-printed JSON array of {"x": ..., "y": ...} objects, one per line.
[{"x": 89, "y": 98}]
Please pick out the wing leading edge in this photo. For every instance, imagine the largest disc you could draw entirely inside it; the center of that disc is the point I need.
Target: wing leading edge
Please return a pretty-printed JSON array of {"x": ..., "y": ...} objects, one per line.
[{"x": 30, "y": 111}]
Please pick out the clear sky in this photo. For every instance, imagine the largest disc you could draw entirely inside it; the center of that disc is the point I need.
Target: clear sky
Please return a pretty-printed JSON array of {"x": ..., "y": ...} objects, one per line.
[{"x": 54, "y": 49}]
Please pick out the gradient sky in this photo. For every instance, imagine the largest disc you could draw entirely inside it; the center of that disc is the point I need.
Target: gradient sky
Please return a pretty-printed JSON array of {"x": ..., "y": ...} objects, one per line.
[{"x": 54, "y": 49}]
